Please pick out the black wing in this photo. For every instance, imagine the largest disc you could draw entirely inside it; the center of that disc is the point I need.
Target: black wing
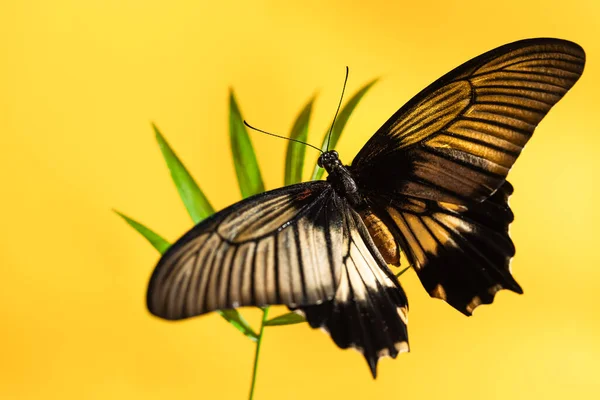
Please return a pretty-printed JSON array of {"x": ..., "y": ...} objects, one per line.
[
  {"x": 369, "y": 311},
  {"x": 279, "y": 247},
  {"x": 461, "y": 253},
  {"x": 457, "y": 139}
]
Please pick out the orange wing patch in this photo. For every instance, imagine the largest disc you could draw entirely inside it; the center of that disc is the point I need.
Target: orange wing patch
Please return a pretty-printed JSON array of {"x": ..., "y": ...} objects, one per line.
[{"x": 382, "y": 237}]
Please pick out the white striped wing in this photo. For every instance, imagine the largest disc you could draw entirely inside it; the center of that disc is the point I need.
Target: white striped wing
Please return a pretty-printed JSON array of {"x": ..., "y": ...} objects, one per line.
[
  {"x": 369, "y": 311},
  {"x": 279, "y": 247}
]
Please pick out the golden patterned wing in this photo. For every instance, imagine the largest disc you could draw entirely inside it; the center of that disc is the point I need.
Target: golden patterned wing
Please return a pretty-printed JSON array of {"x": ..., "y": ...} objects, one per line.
[
  {"x": 457, "y": 139},
  {"x": 279, "y": 247},
  {"x": 461, "y": 253}
]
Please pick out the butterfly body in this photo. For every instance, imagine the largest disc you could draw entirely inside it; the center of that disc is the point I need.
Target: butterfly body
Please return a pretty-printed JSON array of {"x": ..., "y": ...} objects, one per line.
[
  {"x": 431, "y": 180},
  {"x": 340, "y": 178},
  {"x": 342, "y": 181}
]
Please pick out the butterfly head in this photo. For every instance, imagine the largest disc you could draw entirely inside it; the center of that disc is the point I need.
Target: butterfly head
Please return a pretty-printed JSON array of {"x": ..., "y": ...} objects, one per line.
[{"x": 329, "y": 160}]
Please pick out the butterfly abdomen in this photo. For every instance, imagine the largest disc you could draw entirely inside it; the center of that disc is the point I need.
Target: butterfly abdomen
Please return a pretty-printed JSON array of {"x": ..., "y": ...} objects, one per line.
[{"x": 382, "y": 237}]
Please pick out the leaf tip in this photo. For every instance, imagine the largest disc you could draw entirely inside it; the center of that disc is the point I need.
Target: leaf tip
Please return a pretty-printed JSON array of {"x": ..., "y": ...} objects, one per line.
[
  {"x": 120, "y": 214},
  {"x": 159, "y": 137},
  {"x": 234, "y": 109},
  {"x": 372, "y": 82},
  {"x": 154, "y": 127}
]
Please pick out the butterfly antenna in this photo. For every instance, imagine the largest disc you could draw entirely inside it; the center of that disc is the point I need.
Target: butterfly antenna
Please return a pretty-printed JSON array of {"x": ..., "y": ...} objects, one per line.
[
  {"x": 282, "y": 137},
  {"x": 338, "y": 108}
]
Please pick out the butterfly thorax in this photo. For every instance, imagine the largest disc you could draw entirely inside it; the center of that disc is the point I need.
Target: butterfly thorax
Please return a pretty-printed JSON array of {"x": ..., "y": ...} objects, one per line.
[
  {"x": 340, "y": 177},
  {"x": 344, "y": 184}
]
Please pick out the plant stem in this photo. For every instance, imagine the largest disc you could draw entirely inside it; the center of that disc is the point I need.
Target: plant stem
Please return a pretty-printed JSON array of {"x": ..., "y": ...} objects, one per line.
[{"x": 258, "y": 342}]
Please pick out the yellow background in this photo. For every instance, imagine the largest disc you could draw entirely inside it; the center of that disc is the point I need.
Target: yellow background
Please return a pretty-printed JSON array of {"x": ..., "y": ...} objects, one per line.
[{"x": 80, "y": 82}]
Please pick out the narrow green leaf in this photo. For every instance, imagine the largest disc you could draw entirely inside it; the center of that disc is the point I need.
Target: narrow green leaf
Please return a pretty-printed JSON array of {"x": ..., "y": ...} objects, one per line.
[
  {"x": 155, "y": 239},
  {"x": 340, "y": 123},
  {"x": 294, "y": 161},
  {"x": 286, "y": 319},
  {"x": 160, "y": 244},
  {"x": 403, "y": 271},
  {"x": 239, "y": 322},
  {"x": 196, "y": 203},
  {"x": 244, "y": 158}
]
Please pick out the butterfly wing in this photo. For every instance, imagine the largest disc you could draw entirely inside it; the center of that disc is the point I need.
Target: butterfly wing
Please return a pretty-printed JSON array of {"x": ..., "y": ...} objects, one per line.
[
  {"x": 457, "y": 139},
  {"x": 302, "y": 246},
  {"x": 369, "y": 310},
  {"x": 461, "y": 253},
  {"x": 435, "y": 171},
  {"x": 279, "y": 247}
]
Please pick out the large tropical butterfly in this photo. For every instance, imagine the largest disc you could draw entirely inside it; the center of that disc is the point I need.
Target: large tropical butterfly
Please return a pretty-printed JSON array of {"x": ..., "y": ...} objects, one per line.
[{"x": 431, "y": 181}]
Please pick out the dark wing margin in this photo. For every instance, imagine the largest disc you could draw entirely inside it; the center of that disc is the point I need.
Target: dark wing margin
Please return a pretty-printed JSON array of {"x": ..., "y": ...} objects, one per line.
[
  {"x": 279, "y": 247},
  {"x": 461, "y": 253},
  {"x": 457, "y": 139},
  {"x": 369, "y": 311}
]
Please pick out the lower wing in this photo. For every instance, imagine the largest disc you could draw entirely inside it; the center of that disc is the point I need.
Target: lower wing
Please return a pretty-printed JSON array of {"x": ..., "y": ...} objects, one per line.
[
  {"x": 369, "y": 310},
  {"x": 461, "y": 253}
]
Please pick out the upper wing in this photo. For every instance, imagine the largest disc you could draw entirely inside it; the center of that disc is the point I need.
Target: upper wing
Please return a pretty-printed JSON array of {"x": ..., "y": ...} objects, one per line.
[
  {"x": 369, "y": 310},
  {"x": 457, "y": 139},
  {"x": 279, "y": 247},
  {"x": 461, "y": 253}
]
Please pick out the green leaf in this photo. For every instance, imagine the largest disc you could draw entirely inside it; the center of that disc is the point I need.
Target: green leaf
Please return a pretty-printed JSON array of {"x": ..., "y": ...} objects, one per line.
[
  {"x": 155, "y": 239},
  {"x": 340, "y": 123},
  {"x": 286, "y": 319},
  {"x": 403, "y": 271},
  {"x": 236, "y": 319},
  {"x": 244, "y": 159},
  {"x": 294, "y": 161},
  {"x": 196, "y": 203}
]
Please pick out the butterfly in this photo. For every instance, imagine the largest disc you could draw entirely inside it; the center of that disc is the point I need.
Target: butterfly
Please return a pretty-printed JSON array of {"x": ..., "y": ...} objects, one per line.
[{"x": 431, "y": 182}]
